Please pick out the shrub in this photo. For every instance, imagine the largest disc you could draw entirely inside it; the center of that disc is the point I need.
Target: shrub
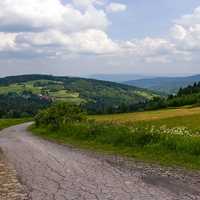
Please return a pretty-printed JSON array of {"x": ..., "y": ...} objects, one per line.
[{"x": 58, "y": 115}]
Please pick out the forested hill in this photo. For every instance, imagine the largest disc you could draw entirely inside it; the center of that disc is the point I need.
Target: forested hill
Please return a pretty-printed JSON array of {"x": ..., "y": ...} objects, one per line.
[
  {"x": 189, "y": 96},
  {"x": 97, "y": 96},
  {"x": 168, "y": 85},
  {"x": 189, "y": 90}
]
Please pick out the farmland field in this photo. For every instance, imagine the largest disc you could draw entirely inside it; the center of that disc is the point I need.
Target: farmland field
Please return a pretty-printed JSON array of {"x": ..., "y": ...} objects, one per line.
[
  {"x": 148, "y": 115},
  {"x": 53, "y": 89}
]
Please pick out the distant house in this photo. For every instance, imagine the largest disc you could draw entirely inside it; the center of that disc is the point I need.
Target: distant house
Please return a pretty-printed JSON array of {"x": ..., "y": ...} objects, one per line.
[{"x": 45, "y": 97}]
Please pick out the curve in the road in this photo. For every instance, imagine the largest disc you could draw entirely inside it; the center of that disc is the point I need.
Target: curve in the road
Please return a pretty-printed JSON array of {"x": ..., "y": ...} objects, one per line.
[{"x": 55, "y": 172}]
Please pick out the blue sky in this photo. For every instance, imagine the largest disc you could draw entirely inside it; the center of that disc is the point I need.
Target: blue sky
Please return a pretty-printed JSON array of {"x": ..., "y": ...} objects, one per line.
[
  {"x": 82, "y": 37},
  {"x": 149, "y": 18}
]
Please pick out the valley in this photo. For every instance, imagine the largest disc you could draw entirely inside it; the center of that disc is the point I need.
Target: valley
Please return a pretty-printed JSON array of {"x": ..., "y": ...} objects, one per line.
[
  {"x": 157, "y": 145},
  {"x": 99, "y": 100},
  {"x": 95, "y": 96}
]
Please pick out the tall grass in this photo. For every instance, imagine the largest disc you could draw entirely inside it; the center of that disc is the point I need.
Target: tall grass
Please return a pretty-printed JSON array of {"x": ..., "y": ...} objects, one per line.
[
  {"x": 177, "y": 145},
  {"x": 148, "y": 115}
]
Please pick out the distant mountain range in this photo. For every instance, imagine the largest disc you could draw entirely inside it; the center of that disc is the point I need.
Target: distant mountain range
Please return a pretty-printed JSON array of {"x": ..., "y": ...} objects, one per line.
[
  {"x": 168, "y": 85},
  {"x": 119, "y": 78}
]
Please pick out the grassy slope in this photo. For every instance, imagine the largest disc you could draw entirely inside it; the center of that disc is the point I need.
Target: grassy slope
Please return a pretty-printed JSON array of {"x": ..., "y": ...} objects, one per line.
[
  {"x": 61, "y": 94},
  {"x": 178, "y": 148},
  {"x": 75, "y": 89},
  {"x": 4, "y": 123}
]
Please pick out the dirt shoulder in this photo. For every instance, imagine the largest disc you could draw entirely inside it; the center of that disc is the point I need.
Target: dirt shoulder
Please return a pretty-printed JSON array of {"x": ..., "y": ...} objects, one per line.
[{"x": 10, "y": 188}]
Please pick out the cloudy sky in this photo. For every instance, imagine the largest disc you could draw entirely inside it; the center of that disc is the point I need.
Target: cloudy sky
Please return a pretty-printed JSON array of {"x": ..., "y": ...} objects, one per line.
[{"x": 82, "y": 37}]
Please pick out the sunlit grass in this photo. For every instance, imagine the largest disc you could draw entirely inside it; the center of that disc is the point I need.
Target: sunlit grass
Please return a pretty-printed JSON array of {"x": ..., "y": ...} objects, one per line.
[
  {"x": 4, "y": 123},
  {"x": 148, "y": 115}
]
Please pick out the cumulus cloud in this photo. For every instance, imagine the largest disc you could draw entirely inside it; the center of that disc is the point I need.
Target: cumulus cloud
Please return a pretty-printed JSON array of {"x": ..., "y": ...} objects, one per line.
[
  {"x": 149, "y": 49},
  {"x": 186, "y": 32},
  {"x": 53, "y": 28},
  {"x": 87, "y": 3},
  {"x": 190, "y": 19},
  {"x": 182, "y": 43},
  {"x": 178, "y": 32},
  {"x": 7, "y": 41},
  {"x": 37, "y": 15},
  {"x": 89, "y": 41},
  {"x": 116, "y": 7},
  {"x": 29, "y": 24},
  {"x": 148, "y": 46}
]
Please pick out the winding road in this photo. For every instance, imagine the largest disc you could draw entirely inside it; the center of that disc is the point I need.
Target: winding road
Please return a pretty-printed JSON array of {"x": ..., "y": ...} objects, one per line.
[{"x": 55, "y": 172}]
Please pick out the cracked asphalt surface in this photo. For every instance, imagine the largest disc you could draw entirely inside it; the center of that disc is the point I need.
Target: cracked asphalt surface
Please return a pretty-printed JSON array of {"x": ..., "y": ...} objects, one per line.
[{"x": 51, "y": 171}]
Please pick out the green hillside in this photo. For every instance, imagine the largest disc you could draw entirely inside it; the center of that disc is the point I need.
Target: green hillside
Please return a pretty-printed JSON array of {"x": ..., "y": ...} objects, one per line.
[{"x": 97, "y": 96}]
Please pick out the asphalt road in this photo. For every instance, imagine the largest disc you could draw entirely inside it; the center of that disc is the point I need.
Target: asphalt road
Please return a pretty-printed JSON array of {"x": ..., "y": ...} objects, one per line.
[{"x": 55, "y": 172}]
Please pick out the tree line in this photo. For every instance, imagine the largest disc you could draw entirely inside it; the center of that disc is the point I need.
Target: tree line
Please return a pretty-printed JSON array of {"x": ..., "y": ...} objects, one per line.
[{"x": 26, "y": 104}]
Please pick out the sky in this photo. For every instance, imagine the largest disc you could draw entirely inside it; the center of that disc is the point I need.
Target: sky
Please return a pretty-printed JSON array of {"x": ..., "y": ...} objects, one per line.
[{"x": 83, "y": 37}]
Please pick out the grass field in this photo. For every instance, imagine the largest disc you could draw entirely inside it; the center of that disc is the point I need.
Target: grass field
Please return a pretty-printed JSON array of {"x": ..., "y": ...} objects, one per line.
[
  {"x": 147, "y": 116},
  {"x": 4, "y": 123},
  {"x": 168, "y": 137}
]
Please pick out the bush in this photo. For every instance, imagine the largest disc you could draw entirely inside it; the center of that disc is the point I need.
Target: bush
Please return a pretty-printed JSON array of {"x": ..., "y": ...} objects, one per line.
[{"x": 59, "y": 115}]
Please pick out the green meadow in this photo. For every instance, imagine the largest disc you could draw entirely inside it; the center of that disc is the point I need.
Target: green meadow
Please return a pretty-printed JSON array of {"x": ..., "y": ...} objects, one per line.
[
  {"x": 5, "y": 123},
  {"x": 148, "y": 115},
  {"x": 53, "y": 89},
  {"x": 168, "y": 137}
]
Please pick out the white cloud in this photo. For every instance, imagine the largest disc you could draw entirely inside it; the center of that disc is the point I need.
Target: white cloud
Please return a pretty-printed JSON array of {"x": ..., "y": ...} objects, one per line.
[
  {"x": 36, "y": 15},
  {"x": 186, "y": 32},
  {"x": 182, "y": 43},
  {"x": 7, "y": 41},
  {"x": 89, "y": 41},
  {"x": 190, "y": 19},
  {"x": 178, "y": 32},
  {"x": 93, "y": 41},
  {"x": 87, "y": 3},
  {"x": 149, "y": 46},
  {"x": 36, "y": 24},
  {"x": 149, "y": 49},
  {"x": 116, "y": 7},
  {"x": 52, "y": 28}
]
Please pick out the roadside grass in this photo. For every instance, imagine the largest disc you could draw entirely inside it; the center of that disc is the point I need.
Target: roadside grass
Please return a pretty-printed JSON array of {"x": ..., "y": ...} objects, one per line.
[
  {"x": 172, "y": 141},
  {"x": 190, "y": 122},
  {"x": 161, "y": 157},
  {"x": 4, "y": 123}
]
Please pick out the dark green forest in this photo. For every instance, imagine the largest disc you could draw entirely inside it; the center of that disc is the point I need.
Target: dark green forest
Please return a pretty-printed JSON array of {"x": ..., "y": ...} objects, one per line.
[
  {"x": 189, "y": 95},
  {"x": 24, "y": 96},
  {"x": 13, "y": 105},
  {"x": 96, "y": 97}
]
